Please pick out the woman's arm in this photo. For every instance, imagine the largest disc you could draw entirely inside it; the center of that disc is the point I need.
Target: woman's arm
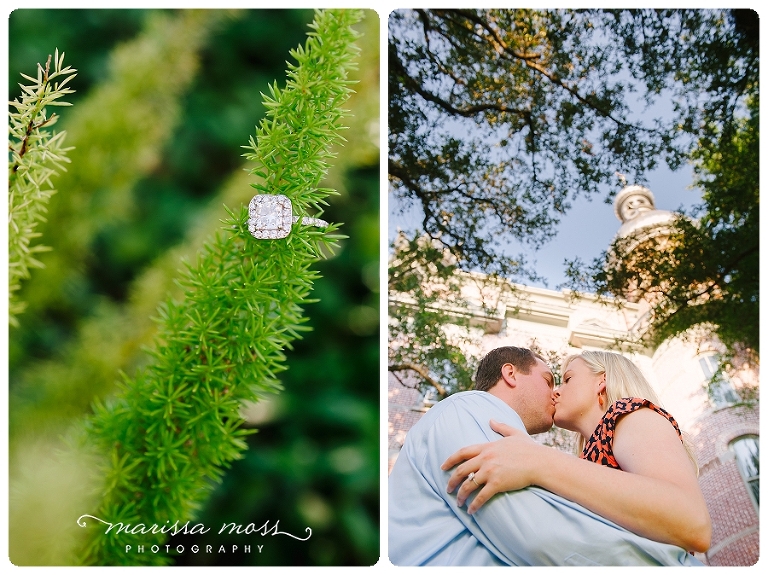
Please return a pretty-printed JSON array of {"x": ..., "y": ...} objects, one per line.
[{"x": 656, "y": 495}]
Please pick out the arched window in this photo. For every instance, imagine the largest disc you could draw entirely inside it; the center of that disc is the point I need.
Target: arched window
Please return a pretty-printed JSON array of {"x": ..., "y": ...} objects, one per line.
[
  {"x": 747, "y": 451},
  {"x": 720, "y": 390}
]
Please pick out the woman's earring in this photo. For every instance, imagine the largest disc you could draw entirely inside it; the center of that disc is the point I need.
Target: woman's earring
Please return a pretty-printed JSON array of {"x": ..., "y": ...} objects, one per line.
[{"x": 600, "y": 400}]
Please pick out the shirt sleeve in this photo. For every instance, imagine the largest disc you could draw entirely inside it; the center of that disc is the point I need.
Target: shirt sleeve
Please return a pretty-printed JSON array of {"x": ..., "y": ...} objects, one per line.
[{"x": 531, "y": 526}]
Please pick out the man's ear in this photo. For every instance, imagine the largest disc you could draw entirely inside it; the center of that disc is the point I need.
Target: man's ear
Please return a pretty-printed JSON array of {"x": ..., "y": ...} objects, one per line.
[{"x": 508, "y": 374}]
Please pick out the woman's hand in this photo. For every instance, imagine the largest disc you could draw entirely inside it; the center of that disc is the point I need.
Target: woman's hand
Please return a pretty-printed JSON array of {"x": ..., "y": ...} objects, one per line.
[{"x": 509, "y": 464}]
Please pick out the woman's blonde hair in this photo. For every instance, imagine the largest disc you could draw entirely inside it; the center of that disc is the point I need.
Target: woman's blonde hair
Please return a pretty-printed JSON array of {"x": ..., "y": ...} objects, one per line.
[{"x": 622, "y": 379}]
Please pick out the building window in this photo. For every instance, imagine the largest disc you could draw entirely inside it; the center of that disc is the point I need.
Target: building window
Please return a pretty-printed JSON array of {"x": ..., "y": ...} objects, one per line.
[
  {"x": 719, "y": 388},
  {"x": 747, "y": 451}
]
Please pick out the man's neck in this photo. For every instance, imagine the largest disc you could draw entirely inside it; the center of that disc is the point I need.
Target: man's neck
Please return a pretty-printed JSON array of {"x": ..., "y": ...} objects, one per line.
[{"x": 503, "y": 394}]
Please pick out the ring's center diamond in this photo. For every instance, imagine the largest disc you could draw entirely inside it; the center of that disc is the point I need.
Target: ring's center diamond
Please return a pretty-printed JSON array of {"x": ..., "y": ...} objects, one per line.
[{"x": 269, "y": 217}]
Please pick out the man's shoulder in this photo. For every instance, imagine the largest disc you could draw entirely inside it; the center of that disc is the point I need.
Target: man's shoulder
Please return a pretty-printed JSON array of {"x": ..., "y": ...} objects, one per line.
[
  {"x": 473, "y": 397},
  {"x": 479, "y": 405},
  {"x": 468, "y": 400}
]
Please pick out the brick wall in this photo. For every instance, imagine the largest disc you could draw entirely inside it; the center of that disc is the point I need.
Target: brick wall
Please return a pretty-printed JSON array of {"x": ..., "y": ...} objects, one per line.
[
  {"x": 405, "y": 408},
  {"x": 743, "y": 552},
  {"x": 735, "y": 521}
]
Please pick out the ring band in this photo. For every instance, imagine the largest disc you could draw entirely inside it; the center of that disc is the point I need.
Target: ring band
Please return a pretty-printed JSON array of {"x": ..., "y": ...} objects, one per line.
[
  {"x": 471, "y": 477},
  {"x": 270, "y": 217}
]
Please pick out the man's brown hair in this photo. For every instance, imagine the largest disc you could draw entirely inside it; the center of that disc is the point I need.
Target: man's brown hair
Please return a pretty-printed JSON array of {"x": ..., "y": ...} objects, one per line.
[{"x": 489, "y": 369}]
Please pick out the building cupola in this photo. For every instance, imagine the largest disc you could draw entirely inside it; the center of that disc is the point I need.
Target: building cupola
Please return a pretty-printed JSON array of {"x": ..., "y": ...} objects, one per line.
[{"x": 634, "y": 206}]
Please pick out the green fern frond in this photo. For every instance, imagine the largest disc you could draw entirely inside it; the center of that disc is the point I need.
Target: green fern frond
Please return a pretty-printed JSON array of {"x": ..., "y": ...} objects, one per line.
[
  {"x": 176, "y": 425},
  {"x": 36, "y": 156}
]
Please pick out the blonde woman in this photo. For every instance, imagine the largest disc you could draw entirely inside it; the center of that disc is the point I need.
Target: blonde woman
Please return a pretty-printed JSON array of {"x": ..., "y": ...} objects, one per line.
[{"x": 645, "y": 480}]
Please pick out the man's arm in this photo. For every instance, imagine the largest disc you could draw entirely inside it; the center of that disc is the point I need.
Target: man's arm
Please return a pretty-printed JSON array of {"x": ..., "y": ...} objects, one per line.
[
  {"x": 532, "y": 526},
  {"x": 656, "y": 495}
]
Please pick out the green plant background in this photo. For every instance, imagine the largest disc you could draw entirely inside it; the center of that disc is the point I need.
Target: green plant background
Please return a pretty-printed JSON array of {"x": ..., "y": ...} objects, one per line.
[{"x": 315, "y": 460}]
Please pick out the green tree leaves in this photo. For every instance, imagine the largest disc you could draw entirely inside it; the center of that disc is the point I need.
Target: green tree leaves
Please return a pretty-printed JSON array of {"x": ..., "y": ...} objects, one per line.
[
  {"x": 499, "y": 118},
  {"x": 703, "y": 271}
]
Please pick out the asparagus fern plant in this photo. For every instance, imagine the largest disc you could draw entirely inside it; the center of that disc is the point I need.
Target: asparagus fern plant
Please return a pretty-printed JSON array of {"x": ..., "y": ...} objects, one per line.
[
  {"x": 36, "y": 156},
  {"x": 175, "y": 426}
]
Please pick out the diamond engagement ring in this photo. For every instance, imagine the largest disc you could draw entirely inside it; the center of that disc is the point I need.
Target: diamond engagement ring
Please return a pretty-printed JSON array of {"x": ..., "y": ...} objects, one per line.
[
  {"x": 471, "y": 477},
  {"x": 270, "y": 217}
]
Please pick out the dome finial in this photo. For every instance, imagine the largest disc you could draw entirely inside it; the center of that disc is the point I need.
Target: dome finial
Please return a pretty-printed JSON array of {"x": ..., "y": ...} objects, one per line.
[{"x": 632, "y": 201}]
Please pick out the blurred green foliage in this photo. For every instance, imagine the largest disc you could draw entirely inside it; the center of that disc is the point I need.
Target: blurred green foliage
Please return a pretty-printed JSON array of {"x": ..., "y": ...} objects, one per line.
[
  {"x": 315, "y": 460},
  {"x": 37, "y": 155}
]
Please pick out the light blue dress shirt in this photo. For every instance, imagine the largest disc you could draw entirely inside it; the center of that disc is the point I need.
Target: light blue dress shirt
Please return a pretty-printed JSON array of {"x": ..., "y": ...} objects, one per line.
[{"x": 527, "y": 527}]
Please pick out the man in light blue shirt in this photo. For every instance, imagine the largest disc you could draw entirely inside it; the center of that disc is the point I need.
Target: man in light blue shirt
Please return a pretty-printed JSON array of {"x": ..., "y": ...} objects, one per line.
[{"x": 527, "y": 527}]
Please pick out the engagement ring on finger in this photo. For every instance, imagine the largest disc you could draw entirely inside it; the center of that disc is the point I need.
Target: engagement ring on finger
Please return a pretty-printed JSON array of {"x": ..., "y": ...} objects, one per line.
[
  {"x": 270, "y": 217},
  {"x": 471, "y": 477}
]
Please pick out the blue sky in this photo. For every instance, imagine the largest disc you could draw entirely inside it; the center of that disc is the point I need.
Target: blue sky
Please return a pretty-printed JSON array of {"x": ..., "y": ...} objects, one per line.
[{"x": 590, "y": 226}]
